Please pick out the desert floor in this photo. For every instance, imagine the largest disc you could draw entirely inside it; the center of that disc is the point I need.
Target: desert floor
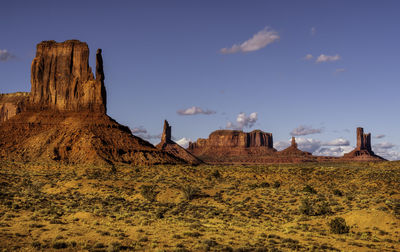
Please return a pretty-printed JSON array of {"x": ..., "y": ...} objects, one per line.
[{"x": 203, "y": 208}]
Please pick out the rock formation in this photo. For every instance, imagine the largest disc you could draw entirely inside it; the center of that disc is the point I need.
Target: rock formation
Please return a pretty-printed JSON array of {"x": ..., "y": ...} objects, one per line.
[
  {"x": 293, "y": 152},
  {"x": 12, "y": 104},
  {"x": 62, "y": 80},
  {"x": 363, "y": 150},
  {"x": 232, "y": 146},
  {"x": 175, "y": 149},
  {"x": 64, "y": 118}
]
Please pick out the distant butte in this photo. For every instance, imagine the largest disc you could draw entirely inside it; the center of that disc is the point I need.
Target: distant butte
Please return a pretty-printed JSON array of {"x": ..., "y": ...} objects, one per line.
[
  {"x": 233, "y": 146},
  {"x": 64, "y": 118},
  {"x": 363, "y": 151},
  {"x": 175, "y": 149}
]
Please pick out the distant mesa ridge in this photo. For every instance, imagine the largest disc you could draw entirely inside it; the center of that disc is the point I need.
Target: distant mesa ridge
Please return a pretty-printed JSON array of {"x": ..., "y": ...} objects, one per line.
[{"x": 234, "y": 139}]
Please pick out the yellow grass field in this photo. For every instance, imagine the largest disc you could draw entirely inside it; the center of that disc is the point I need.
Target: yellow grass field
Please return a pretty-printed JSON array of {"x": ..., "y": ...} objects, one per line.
[{"x": 202, "y": 208}]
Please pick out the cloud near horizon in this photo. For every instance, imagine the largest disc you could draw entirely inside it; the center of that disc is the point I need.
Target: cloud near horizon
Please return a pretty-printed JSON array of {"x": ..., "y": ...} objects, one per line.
[
  {"x": 259, "y": 40},
  {"x": 243, "y": 121},
  {"x": 142, "y": 133},
  {"x": 338, "y": 142},
  {"x": 183, "y": 142},
  {"x": 327, "y": 58},
  {"x": 5, "y": 55},
  {"x": 386, "y": 150},
  {"x": 308, "y": 57},
  {"x": 379, "y": 136},
  {"x": 335, "y": 148},
  {"x": 303, "y": 130},
  {"x": 195, "y": 111}
]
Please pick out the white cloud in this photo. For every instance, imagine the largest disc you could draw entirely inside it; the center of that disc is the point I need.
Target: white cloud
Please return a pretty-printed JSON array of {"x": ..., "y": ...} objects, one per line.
[
  {"x": 308, "y": 57},
  {"x": 308, "y": 144},
  {"x": 184, "y": 142},
  {"x": 333, "y": 151},
  {"x": 313, "y": 30},
  {"x": 259, "y": 40},
  {"x": 304, "y": 130},
  {"x": 139, "y": 130},
  {"x": 337, "y": 142},
  {"x": 281, "y": 145},
  {"x": 195, "y": 111},
  {"x": 386, "y": 150},
  {"x": 243, "y": 121},
  {"x": 340, "y": 70},
  {"x": 5, "y": 55},
  {"x": 142, "y": 133},
  {"x": 333, "y": 148},
  {"x": 379, "y": 136},
  {"x": 327, "y": 58},
  {"x": 384, "y": 145}
]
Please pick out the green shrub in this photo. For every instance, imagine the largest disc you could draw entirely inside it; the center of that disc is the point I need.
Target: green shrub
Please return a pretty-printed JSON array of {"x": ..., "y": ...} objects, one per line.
[
  {"x": 277, "y": 184},
  {"x": 309, "y": 189},
  {"x": 149, "y": 192},
  {"x": 190, "y": 192},
  {"x": 60, "y": 245},
  {"x": 314, "y": 208},
  {"x": 338, "y": 226},
  {"x": 337, "y": 192}
]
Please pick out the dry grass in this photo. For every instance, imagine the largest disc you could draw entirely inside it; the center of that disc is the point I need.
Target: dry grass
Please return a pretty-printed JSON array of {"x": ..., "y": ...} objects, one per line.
[{"x": 217, "y": 208}]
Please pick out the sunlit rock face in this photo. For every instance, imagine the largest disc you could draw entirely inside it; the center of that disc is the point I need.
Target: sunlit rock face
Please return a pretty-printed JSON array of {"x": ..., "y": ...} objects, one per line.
[{"x": 62, "y": 79}]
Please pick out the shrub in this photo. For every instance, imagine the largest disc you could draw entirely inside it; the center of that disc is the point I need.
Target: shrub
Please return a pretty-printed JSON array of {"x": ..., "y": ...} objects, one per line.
[
  {"x": 190, "y": 192},
  {"x": 216, "y": 174},
  {"x": 60, "y": 245},
  {"x": 277, "y": 184},
  {"x": 314, "y": 208},
  {"x": 337, "y": 192},
  {"x": 149, "y": 192},
  {"x": 338, "y": 226},
  {"x": 309, "y": 189}
]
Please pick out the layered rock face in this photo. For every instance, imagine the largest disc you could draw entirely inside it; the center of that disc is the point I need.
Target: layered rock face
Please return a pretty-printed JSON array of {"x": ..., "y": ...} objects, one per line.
[
  {"x": 63, "y": 119},
  {"x": 62, "y": 80},
  {"x": 363, "y": 150},
  {"x": 233, "y": 146},
  {"x": 234, "y": 139},
  {"x": 175, "y": 149},
  {"x": 12, "y": 104}
]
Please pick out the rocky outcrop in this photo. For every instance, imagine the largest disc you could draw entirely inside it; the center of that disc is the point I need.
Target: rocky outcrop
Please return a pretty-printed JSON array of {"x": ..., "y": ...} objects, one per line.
[
  {"x": 62, "y": 80},
  {"x": 233, "y": 146},
  {"x": 63, "y": 118},
  {"x": 363, "y": 150},
  {"x": 292, "y": 151},
  {"x": 175, "y": 149},
  {"x": 12, "y": 104},
  {"x": 234, "y": 139}
]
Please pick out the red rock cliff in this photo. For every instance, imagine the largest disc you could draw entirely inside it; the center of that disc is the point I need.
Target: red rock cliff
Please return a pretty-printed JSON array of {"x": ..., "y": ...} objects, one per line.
[
  {"x": 61, "y": 78},
  {"x": 363, "y": 150},
  {"x": 12, "y": 104},
  {"x": 235, "y": 138}
]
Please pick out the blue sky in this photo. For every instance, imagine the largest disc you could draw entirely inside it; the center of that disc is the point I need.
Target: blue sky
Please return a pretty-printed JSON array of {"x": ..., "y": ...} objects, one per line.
[{"x": 165, "y": 59}]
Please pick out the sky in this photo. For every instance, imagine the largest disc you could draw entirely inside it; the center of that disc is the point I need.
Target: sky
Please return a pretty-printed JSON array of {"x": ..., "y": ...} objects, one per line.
[{"x": 311, "y": 69}]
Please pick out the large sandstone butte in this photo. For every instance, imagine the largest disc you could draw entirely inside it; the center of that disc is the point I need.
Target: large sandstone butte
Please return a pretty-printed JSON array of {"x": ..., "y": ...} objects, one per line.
[
  {"x": 234, "y": 146},
  {"x": 64, "y": 117},
  {"x": 175, "y": 149},
  {"x": 363, "y": 151}
]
